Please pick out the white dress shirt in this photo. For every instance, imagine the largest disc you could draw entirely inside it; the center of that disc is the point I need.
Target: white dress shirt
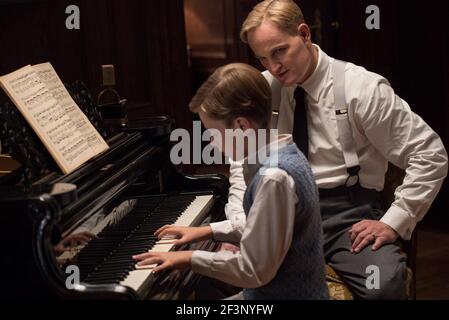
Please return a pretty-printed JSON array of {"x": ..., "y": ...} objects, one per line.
[
  {"x": 384, "y": 129},
  {"x": 230, "y": 230},
  {"x": 266, "y": 236}
]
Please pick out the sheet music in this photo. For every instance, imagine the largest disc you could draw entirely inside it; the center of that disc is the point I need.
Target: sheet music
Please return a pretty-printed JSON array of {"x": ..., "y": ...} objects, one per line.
[
  {"x": 69, "y": 146},
  {"x": 50, "y": 78}
]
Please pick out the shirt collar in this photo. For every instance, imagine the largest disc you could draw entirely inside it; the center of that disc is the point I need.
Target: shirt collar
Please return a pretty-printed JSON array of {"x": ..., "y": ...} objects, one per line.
[
  {"x": 313, "y": 84},
  {"x": 251, "y": 164}
]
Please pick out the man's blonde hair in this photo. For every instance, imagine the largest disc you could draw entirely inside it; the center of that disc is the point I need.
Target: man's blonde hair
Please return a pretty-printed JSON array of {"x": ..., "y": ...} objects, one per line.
[
  {"x": 284, "y": 13},
  {"x": 235, "y": 90}
]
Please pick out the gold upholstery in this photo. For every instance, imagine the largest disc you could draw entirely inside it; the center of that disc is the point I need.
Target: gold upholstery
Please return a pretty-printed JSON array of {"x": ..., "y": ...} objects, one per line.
[{"x": 337, "y": 289}]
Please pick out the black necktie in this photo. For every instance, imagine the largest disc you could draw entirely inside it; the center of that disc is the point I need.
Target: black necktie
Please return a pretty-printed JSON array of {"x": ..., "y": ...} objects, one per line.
[{"x": 300, "y": 135}]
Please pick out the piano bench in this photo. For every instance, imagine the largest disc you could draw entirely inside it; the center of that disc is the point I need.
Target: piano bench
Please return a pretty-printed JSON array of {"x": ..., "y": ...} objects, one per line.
[{"x": 338, "y": 290}]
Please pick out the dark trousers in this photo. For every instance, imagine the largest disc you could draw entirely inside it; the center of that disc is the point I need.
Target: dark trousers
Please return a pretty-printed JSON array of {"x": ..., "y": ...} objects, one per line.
[{"x": 340, "y": 209}]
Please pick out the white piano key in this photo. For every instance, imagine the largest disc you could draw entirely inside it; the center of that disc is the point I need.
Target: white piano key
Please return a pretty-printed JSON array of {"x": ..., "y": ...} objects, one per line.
[
  {"x": 168, "y": 237},
  {"x": 166, "y": 241},
  {"x": 195, "y": 211},
  {"x": 161, "y": 247},
  {"x": 150, "y": 267},
  {"x": 137, "y": 278}
]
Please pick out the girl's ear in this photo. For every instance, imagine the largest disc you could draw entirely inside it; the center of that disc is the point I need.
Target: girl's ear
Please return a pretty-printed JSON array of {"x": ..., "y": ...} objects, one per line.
[{"x": 242, "y": 123}]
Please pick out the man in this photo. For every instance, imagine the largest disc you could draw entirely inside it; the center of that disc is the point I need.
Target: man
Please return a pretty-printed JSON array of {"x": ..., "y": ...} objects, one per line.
[{"x": 382, "y": 127}]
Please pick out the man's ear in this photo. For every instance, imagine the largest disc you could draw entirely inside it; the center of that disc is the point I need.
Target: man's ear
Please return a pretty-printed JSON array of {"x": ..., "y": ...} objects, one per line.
[{"x": 304, "y": 32}]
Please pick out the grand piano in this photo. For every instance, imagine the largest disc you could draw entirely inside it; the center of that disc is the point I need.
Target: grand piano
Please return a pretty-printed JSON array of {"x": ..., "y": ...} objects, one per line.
[{"x": 72, "y": 236}]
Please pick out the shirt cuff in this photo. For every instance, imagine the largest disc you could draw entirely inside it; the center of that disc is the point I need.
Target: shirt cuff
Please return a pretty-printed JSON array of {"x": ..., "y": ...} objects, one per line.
[
  {"x": 201, "y": 261},
  {"x": 222, "y": 231},
  {"x": 400, "y": 221}
]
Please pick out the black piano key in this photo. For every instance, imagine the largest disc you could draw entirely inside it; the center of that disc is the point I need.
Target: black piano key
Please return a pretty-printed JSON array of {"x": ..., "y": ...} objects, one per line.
[{"x": 107, "y": 259}]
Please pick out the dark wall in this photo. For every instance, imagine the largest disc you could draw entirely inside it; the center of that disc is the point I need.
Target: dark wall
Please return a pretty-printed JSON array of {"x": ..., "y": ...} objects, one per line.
[
  {"x": 145, "y": 40},
  {"x": 411, "y": 50}
]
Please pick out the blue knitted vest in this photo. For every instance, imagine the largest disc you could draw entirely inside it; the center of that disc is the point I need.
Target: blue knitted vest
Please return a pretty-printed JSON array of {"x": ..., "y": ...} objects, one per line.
[{"x": 302, "y": 273}]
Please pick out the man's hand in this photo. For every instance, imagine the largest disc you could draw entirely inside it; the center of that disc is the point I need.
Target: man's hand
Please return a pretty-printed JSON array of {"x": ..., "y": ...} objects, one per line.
[
  {"x": 184, "y": 234},
  {"x": 371, "y": 231},
  {"x": 165, "y": 260}
]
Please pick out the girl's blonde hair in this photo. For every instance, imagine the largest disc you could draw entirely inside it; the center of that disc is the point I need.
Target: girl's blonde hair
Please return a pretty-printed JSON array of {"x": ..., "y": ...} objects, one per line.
[
  {"x": 284, "y": 13},
  {"x": 235, "y": 90}
]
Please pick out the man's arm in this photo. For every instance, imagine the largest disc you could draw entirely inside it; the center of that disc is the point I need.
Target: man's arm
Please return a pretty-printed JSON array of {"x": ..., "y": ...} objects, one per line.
[
  {"x": 409, "y": 143},
  {"x": 231, "y": 229}
]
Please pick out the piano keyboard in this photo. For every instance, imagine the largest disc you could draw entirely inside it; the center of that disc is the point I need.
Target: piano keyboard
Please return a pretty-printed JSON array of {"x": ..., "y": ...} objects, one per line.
[
  {"x": 139, "y": 278},
  {"x": 108, "y": 258}
]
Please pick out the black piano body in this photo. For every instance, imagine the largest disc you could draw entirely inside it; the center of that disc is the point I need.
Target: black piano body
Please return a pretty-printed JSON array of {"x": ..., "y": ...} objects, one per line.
[{"x": 72, "y": 236}]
